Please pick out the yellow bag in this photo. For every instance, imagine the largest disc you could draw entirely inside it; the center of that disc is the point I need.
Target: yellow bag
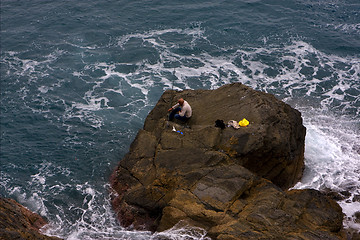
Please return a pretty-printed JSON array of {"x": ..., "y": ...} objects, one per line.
[{"x": 244, "y": 123}]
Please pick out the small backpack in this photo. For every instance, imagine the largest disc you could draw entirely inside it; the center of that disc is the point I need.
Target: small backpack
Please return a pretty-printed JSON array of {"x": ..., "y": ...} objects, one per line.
[{"x": 220, "y": 124}]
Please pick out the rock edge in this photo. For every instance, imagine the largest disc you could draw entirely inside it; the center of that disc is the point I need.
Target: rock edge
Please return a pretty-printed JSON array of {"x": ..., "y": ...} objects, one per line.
[{"x": 232, "y": 183}]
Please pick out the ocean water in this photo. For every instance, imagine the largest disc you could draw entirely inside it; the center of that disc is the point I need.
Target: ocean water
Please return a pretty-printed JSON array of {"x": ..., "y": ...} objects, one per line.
[{"x": 78, "y": 79}]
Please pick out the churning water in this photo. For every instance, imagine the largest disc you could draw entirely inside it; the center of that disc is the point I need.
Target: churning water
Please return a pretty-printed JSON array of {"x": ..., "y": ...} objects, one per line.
[{"x": 78, "y": 79}]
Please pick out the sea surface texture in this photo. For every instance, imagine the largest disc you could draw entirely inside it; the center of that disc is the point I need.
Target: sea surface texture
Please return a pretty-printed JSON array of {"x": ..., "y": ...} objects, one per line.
[{"x": 79, "y": 77}]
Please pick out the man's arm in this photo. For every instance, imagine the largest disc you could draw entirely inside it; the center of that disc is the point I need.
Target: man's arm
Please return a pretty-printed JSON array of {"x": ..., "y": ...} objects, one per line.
[
  {"x": 184, "y": 109},
  {"x": 173, "y": 107}
]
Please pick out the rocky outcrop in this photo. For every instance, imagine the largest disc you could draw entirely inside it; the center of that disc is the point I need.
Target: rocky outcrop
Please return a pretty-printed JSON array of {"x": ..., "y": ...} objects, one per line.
[
  {"x": 17, "y": 222},
  {"x": 272, "y": 146},
  {"x": 231, "y": 182}
]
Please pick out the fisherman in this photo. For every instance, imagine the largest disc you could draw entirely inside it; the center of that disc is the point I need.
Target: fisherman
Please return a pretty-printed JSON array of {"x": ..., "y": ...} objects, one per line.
[{"x": 181, "y": 111}]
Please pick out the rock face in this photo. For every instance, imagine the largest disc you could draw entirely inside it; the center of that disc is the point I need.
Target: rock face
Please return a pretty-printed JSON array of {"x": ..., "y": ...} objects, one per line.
[
  {"x": 230, "y": 182},
  {"x": 17, "y": 222}
]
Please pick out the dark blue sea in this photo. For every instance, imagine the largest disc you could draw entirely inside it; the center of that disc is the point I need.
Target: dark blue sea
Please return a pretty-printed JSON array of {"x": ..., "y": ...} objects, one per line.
[{"x": 79, "y": 77}]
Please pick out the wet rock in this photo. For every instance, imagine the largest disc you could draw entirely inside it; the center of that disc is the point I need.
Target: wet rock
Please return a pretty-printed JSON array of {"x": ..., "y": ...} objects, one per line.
[
  {"x": 17, "y": 222},
  {"x": 357, "y": 217},
  {"x": 333, "y": 194},
  {"x": 356, "y": 148},
  {"x": 353, "y": 234},
  {"x": 356, "y": 198},
  {"x": 229, "y": 182},
  {"x": 346, "y": 194}
]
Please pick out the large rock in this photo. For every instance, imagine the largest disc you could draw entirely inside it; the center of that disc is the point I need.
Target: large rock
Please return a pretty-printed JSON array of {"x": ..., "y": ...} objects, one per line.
[
  {"x": 17, "y": 222},
  {"x": 230, "y": 182},
  {"x": 272, "y": 145}
]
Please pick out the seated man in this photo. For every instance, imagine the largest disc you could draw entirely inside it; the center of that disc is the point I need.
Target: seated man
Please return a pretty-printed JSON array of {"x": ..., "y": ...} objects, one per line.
[{"x": 181, "y": 111}]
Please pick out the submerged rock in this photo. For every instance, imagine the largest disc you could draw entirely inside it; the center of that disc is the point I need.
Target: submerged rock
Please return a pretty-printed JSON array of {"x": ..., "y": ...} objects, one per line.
[
  {"x": 229, "y": 182},
  {"x": 17, "y": 222}
]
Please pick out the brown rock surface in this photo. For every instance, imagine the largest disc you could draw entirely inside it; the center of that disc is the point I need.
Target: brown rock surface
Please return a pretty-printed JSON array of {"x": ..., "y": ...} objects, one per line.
[
  {"x": 17, "y": 222},
  {"x": 272, "y": 145},
  {"x": 220, "y": 180}
]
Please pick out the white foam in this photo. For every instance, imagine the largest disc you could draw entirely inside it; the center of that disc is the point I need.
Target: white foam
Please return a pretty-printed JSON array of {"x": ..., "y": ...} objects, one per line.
[
  {"x": 183, "y": 231},
  {"x": 349, "y": 208},
  {"x": 332, "y": 158},
  {"x": 150, "y": 36},
  {"x": 96, "y": 219},
  {"x": 210, "y": 72},
  {"x": 346, "y": 27},
  {"x": 43, "y": 89}
]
